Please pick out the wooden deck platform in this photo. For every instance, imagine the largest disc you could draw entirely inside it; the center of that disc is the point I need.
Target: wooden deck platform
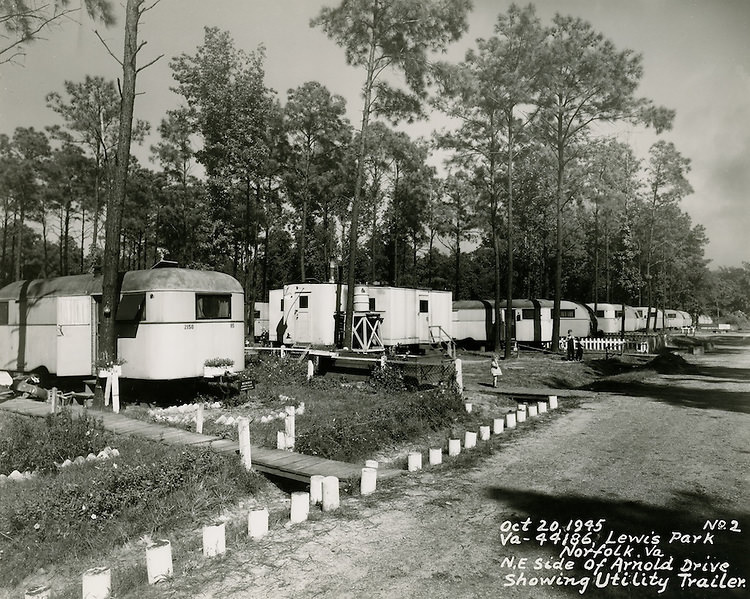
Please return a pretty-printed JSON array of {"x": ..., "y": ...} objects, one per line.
[{"x": 275, "y": 462}]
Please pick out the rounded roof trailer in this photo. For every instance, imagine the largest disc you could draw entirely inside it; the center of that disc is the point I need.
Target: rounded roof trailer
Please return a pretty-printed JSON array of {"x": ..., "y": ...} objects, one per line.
[
  {"x": 609, "y": 317},
  {"x": 170, "y": 321},
  {"x": 474, "y": 319}
]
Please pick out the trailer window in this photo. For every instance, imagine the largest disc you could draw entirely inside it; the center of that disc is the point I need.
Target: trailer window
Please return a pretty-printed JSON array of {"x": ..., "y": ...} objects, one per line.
[
  {"x": 372, "y": 304},
  {"x": 527, "y": 314},
  {"x": 212, "y": 306},
  {"x": 567, "y": 313},
  {"x": 424, "y": 306},
  {"x": 132, "y": 307},
  {"x": 304, "y": 302},
  {"x": 3, "y": 313},
  {"x": 618, "y": 313},
  {"x": 600, "y": 313},
  {"x": 256, "y": 314}
]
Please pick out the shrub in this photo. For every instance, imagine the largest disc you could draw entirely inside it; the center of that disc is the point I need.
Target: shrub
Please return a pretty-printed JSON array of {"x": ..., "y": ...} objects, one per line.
[
  {"x": 90, "y": 509},
  {"x": 359, "y": 433},
  {"x": 35, "y": 444},
  {"x": 388, "y": 378}
]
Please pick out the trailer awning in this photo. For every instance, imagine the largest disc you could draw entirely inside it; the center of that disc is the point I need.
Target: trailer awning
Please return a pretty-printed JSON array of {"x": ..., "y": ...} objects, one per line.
[{"x": 130, "y": 307}]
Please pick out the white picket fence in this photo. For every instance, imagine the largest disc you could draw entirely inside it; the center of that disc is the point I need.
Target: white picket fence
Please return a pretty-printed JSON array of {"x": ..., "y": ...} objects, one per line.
[{"x": 603, "y": 344}]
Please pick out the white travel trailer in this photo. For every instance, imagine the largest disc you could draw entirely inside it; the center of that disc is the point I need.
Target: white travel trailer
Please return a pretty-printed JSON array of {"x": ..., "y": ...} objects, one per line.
[
  {"x": 655, "y": 320},
  {"x": 260, "y": 320},
  {"x": 473, "y": 320},
  {"x": 169, "y": 322},
  {"x": 305, "y": 313},
  {"x": 609, "y": 317},
  {"x": 676, "y": 319}
]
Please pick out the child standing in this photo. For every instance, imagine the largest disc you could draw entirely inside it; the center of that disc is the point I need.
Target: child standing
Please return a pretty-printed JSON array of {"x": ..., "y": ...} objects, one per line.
[{"x": 495, "y": 370}]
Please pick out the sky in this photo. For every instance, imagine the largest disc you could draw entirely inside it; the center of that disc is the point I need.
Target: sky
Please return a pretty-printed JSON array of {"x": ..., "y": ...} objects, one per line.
[{"x": 696, "y": 58}]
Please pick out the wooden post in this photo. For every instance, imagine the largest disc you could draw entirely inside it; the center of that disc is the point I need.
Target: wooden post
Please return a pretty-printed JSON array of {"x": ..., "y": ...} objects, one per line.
[
  {"x": 214, "y": 540},
  {"x": 310, "y": 370},
  {"x": 53, "y": 400},
  {"x": 280, "y": 440},
  {"x": 243, "y": 429},
  {"x": 199, "y": 419},
  {"x": 330, "y": 493},
  {"x": 368, "y": 481},
  {"x": 115, "y": 392},
  {"x": 107, "y": 388},
  {"x": 459, "y": 376},
  {"x": 96, "y": 583},
  {"x": 159, "y": 561},
  {"x": 289, "y": 427},
  {"x": 257, "y": 523}
]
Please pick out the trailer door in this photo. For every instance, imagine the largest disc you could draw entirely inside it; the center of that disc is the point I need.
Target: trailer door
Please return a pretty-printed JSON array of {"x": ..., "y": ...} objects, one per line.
[
  {"x": 74, "y": 336},
  {"x": 423, "y": 319},
  {"x": 303, "y": 333}
]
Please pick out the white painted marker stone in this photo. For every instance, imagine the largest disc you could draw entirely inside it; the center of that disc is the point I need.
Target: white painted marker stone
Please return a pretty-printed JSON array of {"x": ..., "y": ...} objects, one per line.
[
  {"x": 214, "y": 540},
  {"x": 40, "y": 592},
  {"x": 300, "y": 507},
  {"x": 96, "y": 583},
  {"x": 436, "y": 456},
  {"x": 498, "y": 424},
  {"x": 280, "y": 440},
  {"x": 257, "y": 523},
  {"x": 159, "y": 561},
  {"x": 468, "y": 407},
  {"x": 542, "y": 407},
  {"x": 316, "y": 489},
  {"x": 484, "y": 433},
  {"x": 552, "y": 402},
  {"x": 199, "y": 420},
  {"x": 510, "y": 420},
  {"x": 470, "y": 439},
  {"x": 454, "y": 447},
  {"x": 330, "y": 493},
  {"x": 414, "y": 461},
  {"x": 521, "y": 416},
  {"x": 533, "y": 411},
  {"x": 368, "y": 483},
  {"x": 371, "y": 464}
]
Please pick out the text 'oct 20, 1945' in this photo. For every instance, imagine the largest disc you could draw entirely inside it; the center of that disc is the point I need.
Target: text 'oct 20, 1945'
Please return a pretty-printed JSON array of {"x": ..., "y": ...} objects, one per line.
[{"x": 589, "y": 556}]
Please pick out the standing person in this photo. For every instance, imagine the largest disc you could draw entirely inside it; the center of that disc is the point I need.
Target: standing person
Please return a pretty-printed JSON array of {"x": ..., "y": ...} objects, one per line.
[
  {"x": 579, "y": 349},
  {"x": 571, "y": 345},
  {"x": 495, "y": 370}
]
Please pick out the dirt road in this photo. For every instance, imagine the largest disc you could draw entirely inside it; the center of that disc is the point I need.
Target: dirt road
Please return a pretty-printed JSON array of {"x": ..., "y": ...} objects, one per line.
[{"x": 658, "y": 465}]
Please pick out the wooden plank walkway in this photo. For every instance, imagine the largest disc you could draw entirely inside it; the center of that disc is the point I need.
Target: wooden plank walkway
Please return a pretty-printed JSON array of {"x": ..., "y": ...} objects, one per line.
[
  {"x": 523, "y": 393},
  {"x": 286, "y": 464}
]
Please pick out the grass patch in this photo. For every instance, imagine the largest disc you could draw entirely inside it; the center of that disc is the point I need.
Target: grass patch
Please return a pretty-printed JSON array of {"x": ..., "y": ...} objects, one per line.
[
  {"x": 84, "y": 511},
  {"x": 34, "y": 444}
]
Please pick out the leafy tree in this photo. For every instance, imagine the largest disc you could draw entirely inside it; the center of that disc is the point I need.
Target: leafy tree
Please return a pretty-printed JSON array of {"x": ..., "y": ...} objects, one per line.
[
  {"x": 667, "y": 185},
  {"x": 91, "y": 115},
  {"x": 25, "y": 21},
  {"x": 317, "y": 130},
  {"x": 459, "y": 219},
  {"x": 488, "y": 93},
  {"x": 586, "y": 81},
  {"x": 378, "y": 36}
]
